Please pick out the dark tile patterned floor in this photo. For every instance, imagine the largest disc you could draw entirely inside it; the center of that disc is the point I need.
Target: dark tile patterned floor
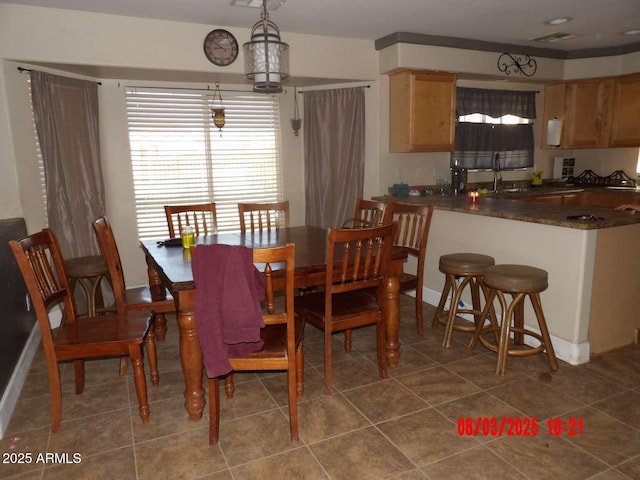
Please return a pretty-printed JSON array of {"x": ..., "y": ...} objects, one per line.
[{"x": 404, "y": 427}]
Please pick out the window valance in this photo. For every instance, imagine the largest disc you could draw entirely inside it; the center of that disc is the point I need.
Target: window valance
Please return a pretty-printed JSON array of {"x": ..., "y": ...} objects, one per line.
[{"x": 495, "y": 103}]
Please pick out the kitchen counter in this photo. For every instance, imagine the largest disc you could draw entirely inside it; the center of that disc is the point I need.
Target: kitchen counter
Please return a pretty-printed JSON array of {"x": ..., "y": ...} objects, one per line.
[
  {"x": 512, "y": 206},
  {"x": 592, "y": 302}
]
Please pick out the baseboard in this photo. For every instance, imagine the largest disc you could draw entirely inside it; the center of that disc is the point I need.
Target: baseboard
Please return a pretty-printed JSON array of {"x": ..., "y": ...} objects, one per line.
[
  {"x": 12, "y": 392},
  {"x": 572, "y": 353}
]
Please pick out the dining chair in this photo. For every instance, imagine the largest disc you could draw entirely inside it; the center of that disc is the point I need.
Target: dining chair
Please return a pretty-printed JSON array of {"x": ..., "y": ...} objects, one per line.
[
  {"x": 282, "y": 336},
  {"x": 411, "y": 236},
  {"x": 263, "y": 216},
  {"x": 202, "y": 217},
  {"x": 368, "y": 213},
  {"x": 127, "y": 299},
  {"x": 112, "y": 335},
  {"x": 357, "y": 261}
]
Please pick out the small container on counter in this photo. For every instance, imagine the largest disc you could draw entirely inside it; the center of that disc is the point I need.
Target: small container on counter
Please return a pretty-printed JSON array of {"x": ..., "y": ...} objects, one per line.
[
  {"x": 400, "y": 190},
  {"x": 473, "y": 197}
]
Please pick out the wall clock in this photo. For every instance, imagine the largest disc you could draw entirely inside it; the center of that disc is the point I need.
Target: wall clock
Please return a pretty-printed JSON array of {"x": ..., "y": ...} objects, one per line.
[{"x": 221, "y": 47}]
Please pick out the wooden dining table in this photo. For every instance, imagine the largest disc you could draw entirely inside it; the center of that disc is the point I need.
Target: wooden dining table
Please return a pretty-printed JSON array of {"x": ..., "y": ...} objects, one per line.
[{"x": 170, "y": 267}]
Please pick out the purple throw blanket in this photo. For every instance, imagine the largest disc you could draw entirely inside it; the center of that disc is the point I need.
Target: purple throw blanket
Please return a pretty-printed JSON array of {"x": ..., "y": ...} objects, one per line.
[{"x": 227, "y": 304}]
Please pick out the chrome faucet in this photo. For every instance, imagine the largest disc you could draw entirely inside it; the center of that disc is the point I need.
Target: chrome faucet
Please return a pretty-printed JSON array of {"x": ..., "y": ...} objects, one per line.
[{"x": 497, "y": 177}]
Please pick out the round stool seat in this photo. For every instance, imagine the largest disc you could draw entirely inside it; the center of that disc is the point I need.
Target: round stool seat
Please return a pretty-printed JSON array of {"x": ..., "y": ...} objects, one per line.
[
  {"x": 465, "y": 263},
  {"x": 462, "y": 271},
  {"x": 522, "y": 282},
  {"x": 516, "y": 278},
  {"x": 89, "y": 266},
  {"x": 88, "y": 272}
]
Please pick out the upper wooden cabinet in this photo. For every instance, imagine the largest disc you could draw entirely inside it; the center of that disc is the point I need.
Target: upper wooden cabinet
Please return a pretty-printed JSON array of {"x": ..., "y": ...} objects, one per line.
[
  {"x": 422, "y": 109},
  {"x": 625, "y": 125},
  {"x": 596, "y": 113},
  {"x": 584, "y": 107},
  {"x": 587, "y": 120}
]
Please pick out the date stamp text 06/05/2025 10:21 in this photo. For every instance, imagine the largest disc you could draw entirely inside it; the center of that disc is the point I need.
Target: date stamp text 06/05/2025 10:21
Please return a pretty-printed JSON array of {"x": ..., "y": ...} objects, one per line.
[{"x": 519, "y": 426}]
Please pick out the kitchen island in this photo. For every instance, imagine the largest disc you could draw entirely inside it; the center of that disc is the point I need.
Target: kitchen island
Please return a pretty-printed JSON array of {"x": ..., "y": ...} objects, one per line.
[{"x": 593, "y": 300}]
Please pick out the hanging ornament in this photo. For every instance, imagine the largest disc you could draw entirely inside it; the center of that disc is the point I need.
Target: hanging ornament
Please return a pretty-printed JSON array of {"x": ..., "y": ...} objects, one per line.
[
  {"x": 296, "y": 121},
  {"x": 217, "y": 110}
]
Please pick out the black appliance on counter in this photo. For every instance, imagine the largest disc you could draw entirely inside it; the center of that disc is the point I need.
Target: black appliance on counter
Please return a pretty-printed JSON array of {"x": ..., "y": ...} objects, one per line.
[{"x": 458, "y": 179}]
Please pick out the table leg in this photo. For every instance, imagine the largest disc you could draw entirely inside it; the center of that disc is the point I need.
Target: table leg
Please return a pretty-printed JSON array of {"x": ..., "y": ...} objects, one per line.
[
  {"x": 158, "y": 292},
  {"x": 190, "y": 356},
  {"x": 392, "y": 313}
]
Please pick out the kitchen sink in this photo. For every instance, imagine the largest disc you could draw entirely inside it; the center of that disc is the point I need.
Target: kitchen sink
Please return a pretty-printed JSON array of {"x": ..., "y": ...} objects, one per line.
[{"x": 514, "y": 190}]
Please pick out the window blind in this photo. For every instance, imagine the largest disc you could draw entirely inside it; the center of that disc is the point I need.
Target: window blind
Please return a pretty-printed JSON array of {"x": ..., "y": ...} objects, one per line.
[{"x": 179, "y": 157}]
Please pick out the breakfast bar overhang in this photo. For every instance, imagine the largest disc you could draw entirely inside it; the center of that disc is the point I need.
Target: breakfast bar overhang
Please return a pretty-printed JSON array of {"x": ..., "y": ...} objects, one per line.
[{"x": 593, "y": 300}]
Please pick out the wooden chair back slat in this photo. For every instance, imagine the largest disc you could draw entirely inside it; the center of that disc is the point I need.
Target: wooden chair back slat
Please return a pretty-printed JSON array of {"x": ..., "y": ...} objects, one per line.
[
  {"x": 414, "y": 222},
  {"x": 259, "y": 217},
  {"x": 202, "y": 217},
  {"x": 368, "y": 213}
]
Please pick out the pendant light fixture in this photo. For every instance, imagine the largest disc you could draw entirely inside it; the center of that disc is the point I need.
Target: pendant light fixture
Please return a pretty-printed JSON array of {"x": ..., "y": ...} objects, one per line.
[
  {"x": 296, "y": 121},
  {"x": 266, "y": 58},
  {"x": 217, "y": 110}
]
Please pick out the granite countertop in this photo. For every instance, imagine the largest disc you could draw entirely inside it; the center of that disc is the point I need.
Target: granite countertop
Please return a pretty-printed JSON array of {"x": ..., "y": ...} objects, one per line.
[{"x": 526, "y": 211}]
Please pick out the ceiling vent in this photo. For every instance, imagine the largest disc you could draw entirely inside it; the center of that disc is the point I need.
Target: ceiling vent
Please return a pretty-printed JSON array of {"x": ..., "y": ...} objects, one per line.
[
  {"x": 554, "y": 37},
  {"x": 271, "y": 4}
]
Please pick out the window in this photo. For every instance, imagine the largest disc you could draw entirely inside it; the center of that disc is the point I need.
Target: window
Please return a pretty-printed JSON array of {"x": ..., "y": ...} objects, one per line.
[
  {"x": 494, "y": 122},
  {"x": 179, "y": 157}
]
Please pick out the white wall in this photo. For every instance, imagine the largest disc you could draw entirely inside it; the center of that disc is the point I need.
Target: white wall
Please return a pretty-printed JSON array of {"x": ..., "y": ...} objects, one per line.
[{"x": 122, "y": 51}]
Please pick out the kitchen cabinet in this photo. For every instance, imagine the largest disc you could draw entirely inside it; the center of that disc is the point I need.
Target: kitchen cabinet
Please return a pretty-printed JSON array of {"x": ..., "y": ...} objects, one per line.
[
  {"x": 585, "y": 108},
  {"x": 422, "y": 106},
  {"x": 587, "y": 113},
  {"x": 571, "y": 199},
  {"x": 625, "y": 126},
  {"x": 596, "y": 113},
  {"x": 607, "y": 198},
  {"x": 555, "y": 199}
]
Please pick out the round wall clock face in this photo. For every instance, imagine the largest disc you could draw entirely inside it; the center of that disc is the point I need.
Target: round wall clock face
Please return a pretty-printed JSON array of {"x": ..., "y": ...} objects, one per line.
[{"x": 221, "y": 47}]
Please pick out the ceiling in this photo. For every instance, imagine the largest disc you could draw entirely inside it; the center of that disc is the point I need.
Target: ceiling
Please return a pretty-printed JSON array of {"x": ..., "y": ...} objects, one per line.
[{"x": 598, "y": 23}]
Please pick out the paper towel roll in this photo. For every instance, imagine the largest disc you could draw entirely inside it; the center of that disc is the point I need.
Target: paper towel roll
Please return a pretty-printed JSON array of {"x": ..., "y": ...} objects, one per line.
[{"x": 554, "y": 132}]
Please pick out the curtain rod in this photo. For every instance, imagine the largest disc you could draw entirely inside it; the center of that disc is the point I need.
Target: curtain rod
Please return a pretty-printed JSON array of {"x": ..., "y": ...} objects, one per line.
[
  {"x": 363, "y": 86},
  {"x": 22, "y": 69}
]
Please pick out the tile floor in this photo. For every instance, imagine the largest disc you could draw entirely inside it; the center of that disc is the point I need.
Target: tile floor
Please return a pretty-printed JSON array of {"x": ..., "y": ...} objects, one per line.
[{"x": 404, "y": 427}]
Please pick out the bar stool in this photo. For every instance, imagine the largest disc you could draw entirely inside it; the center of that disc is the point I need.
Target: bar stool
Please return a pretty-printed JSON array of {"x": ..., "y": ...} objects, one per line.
[
  {"x": 88, "y": 272},
  {"x": 520, "y": 281},
  {"x": 469, "y": 267}
]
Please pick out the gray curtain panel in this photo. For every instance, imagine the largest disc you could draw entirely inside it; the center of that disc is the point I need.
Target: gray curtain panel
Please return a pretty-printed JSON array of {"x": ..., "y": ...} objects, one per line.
[
  {"x": 66, "y": 117},
  {"x": 333, "y": 153},
  {"x": 477, "y": 144}
]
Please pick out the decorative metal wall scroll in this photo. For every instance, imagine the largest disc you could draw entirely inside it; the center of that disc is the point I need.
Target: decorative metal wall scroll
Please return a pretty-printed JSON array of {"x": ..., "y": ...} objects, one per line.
[{"x": 524, "y": 65}]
